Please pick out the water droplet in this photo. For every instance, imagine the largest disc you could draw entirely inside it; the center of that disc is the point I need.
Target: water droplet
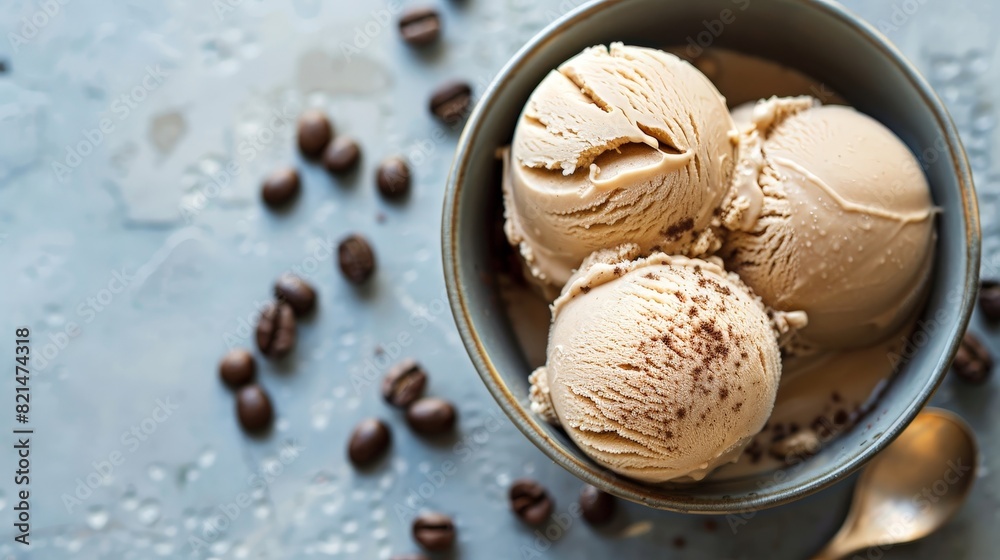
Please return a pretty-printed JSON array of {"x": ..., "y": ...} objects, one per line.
[
  {"x": 332, "y": 505},
  {"x": 386, "y": 481},
  {"x": 378, "y": 514},
  {"x": 330, "y": 543},
  {"x": 73, "y": 545},
  {"x": 262, "y": 511},
  {"x": 190, "y": 519},
  {"x": 351, "y": 547},
  {"x": 207, "y": 458},
  {"x": 129, "y": 500},
  {"x": 220, "y": 547},
  {"x": 164, "y": 548},
  {"x": 149, "y": 512},
  {"x": 977, "y": 61},
  {"x": 156, "y": 472},
  {"x": 97, "y": 517},
  {"x": 350, "y": 527}
]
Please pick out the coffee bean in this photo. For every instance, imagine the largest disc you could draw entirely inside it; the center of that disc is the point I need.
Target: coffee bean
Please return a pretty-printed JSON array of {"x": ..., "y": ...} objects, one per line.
[
  {"x": 276, "y": 330},
  {"x": 434, "y": 531},
  {"x": 315, "y": 133},
  {"x": 420, "y": 26},
  {"x": 393, "y": 178},
  {"x": 357, "y": 260},
  {"x": 237, "y": 368},
  {"x": 368, "y": 442},
  {"x": 280, "y": 187},
  {"x": 598, "y": 507},
  {"x": 253, "y": 407},
  {"x": 431, "y": 416},
  {"x": 409, "y": 557},
  {"x": 530, "y": 501},
  {"x": 341, "y": 155},
  {"x": 451, "y": 101},
  {"x": 973, "y": 363},
  {"x": 404, "y": 383},
  {"x": 989, "y": 299},
  {"x": 296, "y": 292}
]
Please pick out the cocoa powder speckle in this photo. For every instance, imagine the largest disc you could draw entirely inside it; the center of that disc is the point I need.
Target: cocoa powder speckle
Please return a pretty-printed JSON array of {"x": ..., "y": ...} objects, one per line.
[{"x": 675, "y": 231}]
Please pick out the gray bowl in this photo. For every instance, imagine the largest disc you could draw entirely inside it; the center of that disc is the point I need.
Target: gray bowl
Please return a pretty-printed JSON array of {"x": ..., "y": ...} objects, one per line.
[{"x": 822, "y": 40}]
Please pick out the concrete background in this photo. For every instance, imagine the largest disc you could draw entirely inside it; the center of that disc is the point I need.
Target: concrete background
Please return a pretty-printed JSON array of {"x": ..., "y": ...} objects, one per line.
[{"x": 124, "y": 240}]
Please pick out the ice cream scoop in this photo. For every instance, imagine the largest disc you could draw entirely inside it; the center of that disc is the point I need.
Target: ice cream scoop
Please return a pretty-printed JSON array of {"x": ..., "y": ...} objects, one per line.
[
  {"x": 619, "y": 145},
  {"x": 659, "y": 368},
  {"x": 846, "y": 231}
]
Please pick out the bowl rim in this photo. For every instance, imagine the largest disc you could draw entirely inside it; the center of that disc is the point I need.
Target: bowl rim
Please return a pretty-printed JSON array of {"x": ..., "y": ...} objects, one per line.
[{"x": 763, "y": 499}]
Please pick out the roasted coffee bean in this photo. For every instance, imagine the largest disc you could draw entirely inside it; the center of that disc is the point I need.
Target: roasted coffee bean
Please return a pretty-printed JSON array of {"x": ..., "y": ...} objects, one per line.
[
  {"x": 276, "y": 330},
  {"x": 280, "y": 187},
  {"x": 315, "y": 132},
  {"x": 989, "y": 299},
  {"x": 253, "y": 408},
  {"x": 530, "y": 501},
  {"x": 237, "y": 368},
  {"x": 357, "y": 260},
  {"x": 341, "y": 155},
  {"x": 598, "y": 507},
  {"x": 296, "y": 292},
  {"x": 404, "y": 383},
  {"x": 431, "y": 416},
  {"x": 420, "y": 26},
  {"x": 451, "y": 101},
  {"x": 434, "y": 531},
  {"x": 393, "y": 178},
  {"x": 369, "y": 441},
  {"x": 973, "y": 362}
]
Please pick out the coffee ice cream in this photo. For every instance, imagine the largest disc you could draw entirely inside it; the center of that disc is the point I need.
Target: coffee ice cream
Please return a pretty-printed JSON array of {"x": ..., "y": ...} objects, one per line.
[
  {"x": 659, "y": 368},
  {"x": 619, "y": 145},
  {"x": 846, "y": 232}
]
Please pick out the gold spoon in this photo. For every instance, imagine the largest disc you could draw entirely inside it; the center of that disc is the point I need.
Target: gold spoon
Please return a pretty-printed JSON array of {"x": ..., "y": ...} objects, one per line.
[{"x": 912, "y": 488}]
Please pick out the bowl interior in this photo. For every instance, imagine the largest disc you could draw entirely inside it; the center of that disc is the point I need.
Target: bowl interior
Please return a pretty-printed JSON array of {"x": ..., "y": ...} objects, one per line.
[{"x": 817, "y": 38}]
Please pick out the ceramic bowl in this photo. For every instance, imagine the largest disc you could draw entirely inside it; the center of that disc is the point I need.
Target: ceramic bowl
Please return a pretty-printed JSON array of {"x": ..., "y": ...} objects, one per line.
[{"x": 816, "y": 37}]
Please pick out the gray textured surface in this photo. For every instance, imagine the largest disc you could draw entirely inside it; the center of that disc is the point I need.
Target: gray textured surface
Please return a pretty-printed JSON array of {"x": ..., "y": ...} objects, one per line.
[{"x": 197, "y": 258}]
